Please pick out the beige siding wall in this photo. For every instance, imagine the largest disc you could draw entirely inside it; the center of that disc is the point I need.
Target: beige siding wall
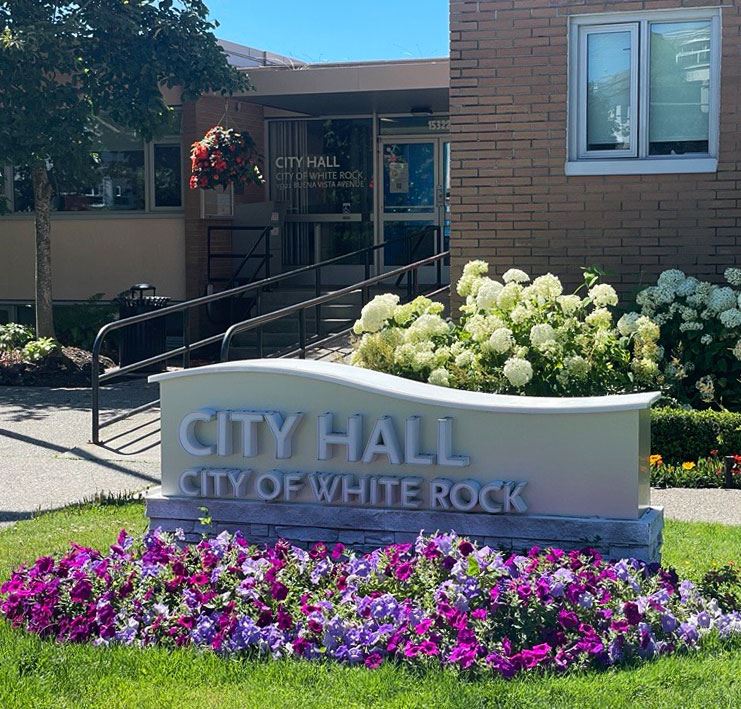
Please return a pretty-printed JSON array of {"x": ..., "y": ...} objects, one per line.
[{"x": 105, "y": 255}]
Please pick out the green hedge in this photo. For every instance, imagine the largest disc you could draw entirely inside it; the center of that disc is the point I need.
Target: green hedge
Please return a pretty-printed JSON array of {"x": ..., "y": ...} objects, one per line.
[{"x": 679, "y": 435}]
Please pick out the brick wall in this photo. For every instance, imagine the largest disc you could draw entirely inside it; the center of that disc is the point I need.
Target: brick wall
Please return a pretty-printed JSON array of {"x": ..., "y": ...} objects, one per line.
[
  {"x": 511, "y": 201},
  {"x": 198, "y": 117}
]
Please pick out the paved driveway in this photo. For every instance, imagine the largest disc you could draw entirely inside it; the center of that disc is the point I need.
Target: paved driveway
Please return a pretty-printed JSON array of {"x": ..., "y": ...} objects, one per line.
[{"x": 46, "y": 460}]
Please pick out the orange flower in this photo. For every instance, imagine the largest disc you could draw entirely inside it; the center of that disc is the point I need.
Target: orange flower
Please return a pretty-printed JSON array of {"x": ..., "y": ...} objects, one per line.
[
  {"x": 655, "y": 459},
  {"x": 689, "y": 465}
]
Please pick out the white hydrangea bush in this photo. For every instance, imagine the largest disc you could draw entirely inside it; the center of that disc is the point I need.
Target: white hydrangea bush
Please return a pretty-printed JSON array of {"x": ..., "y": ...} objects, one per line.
[
  {"x": 516, "y": 335},
  {"x": 700, "y": 334}
]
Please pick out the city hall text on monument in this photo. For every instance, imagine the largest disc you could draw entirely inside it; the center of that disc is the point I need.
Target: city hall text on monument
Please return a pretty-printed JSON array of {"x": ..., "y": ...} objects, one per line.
[{"x": 239, "y": 432}]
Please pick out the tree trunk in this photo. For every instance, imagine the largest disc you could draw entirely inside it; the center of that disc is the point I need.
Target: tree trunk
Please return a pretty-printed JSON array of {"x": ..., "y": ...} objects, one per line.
[{"x": 42, "y": 192}]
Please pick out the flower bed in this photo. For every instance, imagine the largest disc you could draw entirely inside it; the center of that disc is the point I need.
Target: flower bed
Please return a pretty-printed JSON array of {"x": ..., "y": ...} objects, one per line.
[
  {"x": 705, "y": 472},
  {"x": 513, "y": 337},
  {"x": 700, "y": 336},
  {"x": 441, "y": 600},
  {"x": 27, "y": 361}
]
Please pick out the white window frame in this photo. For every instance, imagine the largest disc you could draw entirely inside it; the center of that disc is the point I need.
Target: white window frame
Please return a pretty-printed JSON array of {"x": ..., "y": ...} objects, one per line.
[
  {"x": 623, "y": 162},
  {"x": 584, "y": 35}
]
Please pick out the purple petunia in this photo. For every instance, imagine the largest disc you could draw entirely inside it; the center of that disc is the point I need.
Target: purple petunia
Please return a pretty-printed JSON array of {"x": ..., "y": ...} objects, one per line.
[{"x": 441, "y": 600}]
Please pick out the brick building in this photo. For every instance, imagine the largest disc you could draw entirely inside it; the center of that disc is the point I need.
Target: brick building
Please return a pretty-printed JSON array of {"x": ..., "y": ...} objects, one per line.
[
  {"x": 560, "y": 134},
  {"x": 525, "y": 187}
]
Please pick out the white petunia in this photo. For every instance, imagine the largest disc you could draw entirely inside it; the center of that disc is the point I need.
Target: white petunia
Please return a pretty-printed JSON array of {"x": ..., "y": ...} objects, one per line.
[{"x": 518, "y": 371}]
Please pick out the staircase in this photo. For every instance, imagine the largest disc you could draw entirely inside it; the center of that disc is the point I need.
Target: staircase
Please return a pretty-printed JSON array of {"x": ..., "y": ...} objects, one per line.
[{"x": 283, "y": 334}]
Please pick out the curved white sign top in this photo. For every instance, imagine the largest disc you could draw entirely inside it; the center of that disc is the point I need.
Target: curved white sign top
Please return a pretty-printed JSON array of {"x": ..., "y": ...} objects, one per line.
[{"x": 420, "y": 392}]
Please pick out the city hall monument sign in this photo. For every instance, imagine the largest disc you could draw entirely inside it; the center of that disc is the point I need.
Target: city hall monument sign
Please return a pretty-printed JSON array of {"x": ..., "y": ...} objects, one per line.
[{"x": 316, "y": 451}]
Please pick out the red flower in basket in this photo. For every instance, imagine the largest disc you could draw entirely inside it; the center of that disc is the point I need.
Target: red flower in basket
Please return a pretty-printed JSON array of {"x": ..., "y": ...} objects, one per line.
[{"x": 222, "y": 156}]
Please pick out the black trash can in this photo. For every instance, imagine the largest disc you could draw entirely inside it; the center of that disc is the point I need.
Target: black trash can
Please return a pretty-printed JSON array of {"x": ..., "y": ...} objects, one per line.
[{"x": 145, "y": 339}]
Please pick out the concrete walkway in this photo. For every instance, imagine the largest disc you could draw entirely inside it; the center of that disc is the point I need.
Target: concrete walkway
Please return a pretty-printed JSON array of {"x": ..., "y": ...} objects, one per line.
[
  {"x": 46, "y": 461},
  {"x": 723, "y": 506},
  {"x": 45, "y": 458}
]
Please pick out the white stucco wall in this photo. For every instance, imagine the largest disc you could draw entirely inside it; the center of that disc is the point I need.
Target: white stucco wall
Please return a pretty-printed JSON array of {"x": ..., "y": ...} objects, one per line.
[{"x": 96, "y": 255}]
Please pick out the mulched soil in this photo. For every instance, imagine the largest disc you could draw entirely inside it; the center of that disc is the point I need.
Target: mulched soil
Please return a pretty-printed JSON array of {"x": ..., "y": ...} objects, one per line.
[{"x": 69, "y": 367}]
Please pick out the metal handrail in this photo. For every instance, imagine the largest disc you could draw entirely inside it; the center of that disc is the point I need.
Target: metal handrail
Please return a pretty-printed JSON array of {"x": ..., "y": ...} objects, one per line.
[
  {"x": 300, "y": 308},
  {"x": 188, "y": 347},
  {"x": 264, "y": 235}
]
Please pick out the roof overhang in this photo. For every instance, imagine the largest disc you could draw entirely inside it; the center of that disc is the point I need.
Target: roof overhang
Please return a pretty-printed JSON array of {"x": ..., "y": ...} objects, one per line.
[{"x": 357, "y": 88}]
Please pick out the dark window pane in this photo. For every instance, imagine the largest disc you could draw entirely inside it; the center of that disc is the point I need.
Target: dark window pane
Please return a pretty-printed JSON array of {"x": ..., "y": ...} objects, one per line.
[
  {"x": 679, "y": 107},
  {"x": 608, "y": 90},
  {"x": 22, "y": 191},
  {"x": 167, "y": 183},
  {"x": 118, "y": 183}
]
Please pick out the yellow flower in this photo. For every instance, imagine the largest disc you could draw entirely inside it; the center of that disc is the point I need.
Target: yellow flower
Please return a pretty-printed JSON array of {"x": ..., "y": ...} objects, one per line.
[
  {"x": 689, "y": 465},
  {"x": 655, "y": 459}
]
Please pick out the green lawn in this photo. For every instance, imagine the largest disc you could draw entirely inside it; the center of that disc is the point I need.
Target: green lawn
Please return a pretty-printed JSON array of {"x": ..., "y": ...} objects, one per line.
[{"x": 43, "y": 674}]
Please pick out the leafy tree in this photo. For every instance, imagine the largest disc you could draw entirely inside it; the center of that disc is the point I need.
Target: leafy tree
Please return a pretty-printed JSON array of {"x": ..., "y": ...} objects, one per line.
[{"x": 64, "y": 62}]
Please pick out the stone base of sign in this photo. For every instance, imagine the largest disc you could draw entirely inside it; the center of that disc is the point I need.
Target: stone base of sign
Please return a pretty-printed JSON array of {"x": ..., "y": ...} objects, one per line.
[{"x": 364, "y": 529}]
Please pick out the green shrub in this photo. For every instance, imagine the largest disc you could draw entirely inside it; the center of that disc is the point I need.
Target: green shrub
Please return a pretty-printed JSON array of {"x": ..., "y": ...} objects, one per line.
[
  {"x": 701, "y": 337},
  {"x": 14, "y": 337},
  {"x": 680, "y": 435},
  {"x": 36, "y": 350},
  {"x": 77, "y": 324}
]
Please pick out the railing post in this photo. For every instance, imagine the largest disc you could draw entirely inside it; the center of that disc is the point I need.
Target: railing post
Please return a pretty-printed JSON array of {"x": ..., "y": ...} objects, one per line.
[
  {"x": 439, "y": 250},
  {"x": 409, "y": 260},
  {"x": 267, "y": 252},
  {"x": 260, "y": 331},
  {"x": 415, "y": 280},
  {"x": 728, "y": 478},
  {"x": 367, "y": 263},
  {"x": 186, "y": 338},
  {"x": 317, "y": 293},
  {"x": 95, "y": 384},
  {"x": 302, "y": 333},
  {"x": 95, "y": 392}
]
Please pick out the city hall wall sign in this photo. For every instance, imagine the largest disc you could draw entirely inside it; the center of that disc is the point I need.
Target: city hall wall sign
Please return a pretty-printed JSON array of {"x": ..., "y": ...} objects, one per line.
[{"x": 315, "y": 451}]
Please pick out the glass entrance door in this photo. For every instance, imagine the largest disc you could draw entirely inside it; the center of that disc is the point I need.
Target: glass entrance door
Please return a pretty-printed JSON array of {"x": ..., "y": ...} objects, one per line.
[{"x": 416, "y": 201}]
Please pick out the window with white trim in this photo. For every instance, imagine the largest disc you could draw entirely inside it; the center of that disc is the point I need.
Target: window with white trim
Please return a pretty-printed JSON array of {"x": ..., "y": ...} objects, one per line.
[
  {"x": 129, "y": 175},
  {"x": 644, "y": 93}
]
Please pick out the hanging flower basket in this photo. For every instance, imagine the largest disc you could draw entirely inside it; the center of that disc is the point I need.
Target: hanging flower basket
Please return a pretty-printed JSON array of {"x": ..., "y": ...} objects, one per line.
[{"x": 221, "y": 157}]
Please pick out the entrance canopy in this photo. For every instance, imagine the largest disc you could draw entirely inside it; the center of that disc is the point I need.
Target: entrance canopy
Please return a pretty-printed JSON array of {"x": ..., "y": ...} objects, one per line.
[{"x": 353, "y": 88}]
